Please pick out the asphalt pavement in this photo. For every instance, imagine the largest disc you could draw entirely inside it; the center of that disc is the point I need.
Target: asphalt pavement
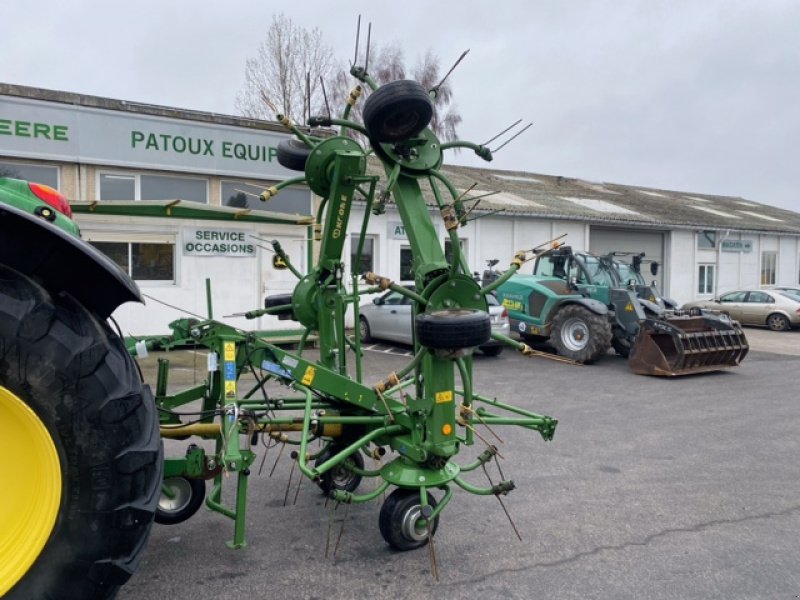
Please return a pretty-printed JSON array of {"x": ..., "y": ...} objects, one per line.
[{"x": 651, "y": 489}]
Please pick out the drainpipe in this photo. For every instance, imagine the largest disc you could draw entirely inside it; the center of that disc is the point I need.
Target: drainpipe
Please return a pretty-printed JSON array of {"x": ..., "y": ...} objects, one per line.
[{"x": 719, "y": 262}]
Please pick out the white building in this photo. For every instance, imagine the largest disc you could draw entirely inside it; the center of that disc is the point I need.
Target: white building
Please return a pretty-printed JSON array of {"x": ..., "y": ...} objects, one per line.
[{"x": 101, "y": 151}]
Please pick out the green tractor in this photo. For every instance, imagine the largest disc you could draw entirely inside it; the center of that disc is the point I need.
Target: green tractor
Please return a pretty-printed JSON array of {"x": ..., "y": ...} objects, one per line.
[
  {"x": 82, "y": 488},
  {"x": 585, "y": 304}
]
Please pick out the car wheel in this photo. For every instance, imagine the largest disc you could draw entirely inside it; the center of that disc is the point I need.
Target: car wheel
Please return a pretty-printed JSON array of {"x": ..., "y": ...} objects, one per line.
[
  {"x": 84, "y": 458},
  {"x": 293, "y": 154},
  {"x": 453, "y": 329},
  {"x": 778, "y": 322},
  {"x": 363, "y": 330},
  {"x": 401, "y": 522},
  {"x": 492, "y": 350},
  {"x": 397, "y": 111},
  {"x": 580, "y": 334},
  {"x": 181, "y": 497}
]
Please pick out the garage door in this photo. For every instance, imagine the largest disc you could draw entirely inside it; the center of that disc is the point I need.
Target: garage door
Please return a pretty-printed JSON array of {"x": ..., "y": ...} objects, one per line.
[{"x": 604, "y": 240}]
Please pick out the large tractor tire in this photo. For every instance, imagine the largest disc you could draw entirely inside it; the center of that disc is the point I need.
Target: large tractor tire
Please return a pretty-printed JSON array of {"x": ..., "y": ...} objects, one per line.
[
  {"x": 83, "y": 457},
  {"x": 580, "y": 334},
  {"x": 453, "y": 329}
]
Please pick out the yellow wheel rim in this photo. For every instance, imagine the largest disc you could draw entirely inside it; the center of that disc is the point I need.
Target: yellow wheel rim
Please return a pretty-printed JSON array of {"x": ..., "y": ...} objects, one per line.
[{"x": 30, "y": 488}]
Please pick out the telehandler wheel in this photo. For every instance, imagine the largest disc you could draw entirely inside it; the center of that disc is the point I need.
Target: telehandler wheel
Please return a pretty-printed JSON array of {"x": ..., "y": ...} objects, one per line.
[
  {"x": 181, "y": 497},
  {"x": 621, "y": 346},
  {"x": 401, "y": 521},
  {"x": 453, "y": 328},
  {"x": 340, "y": 478},
  {"x": 580, "y": 334},
  {"x": 292, "y": 154},
  {"x": 81, "y": 485},
  {"x": 397, "y": 111}
]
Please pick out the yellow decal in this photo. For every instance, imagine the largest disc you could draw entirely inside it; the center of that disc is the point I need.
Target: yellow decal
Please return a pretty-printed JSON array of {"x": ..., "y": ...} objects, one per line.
[
  {"x": 652, "y": 298},
  {"x": 442, "y": 397},
  {"x": 512, "y": 304},
  {"x": 229, "y": 351},
  {"x": 308, "y": 376},
  {"x": 629, "y": 307},
  {"x": 230, "y": 389},
  {"x": 534, "y": 330}
]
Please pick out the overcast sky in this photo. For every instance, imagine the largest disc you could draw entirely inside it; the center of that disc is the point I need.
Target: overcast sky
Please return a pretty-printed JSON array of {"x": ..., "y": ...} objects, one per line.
[{"x": 692, "y": 95}]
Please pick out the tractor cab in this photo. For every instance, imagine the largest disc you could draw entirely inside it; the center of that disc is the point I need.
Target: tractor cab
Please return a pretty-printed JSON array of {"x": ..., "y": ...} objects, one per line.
[{"x": 580, "y": 269}]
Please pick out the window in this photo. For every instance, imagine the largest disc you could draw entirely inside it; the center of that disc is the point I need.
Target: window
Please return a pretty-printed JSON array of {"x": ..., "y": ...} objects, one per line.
[
  {"x": 707, "y": 239},
  {"x": 760, "y": 298},
  {"x": 36, "y": 173},
  {"x": 734, "y": 297},
  {"x": 367, "y": 262},
  {"x": 769, "y": 261},
  {"x": 291, "y": 200},
  {"x": 143, "y": 261},
  {"x": 114, "y": 186},
  {"x": 705, "y": 279},
  {"x": 406, "y": 264}
]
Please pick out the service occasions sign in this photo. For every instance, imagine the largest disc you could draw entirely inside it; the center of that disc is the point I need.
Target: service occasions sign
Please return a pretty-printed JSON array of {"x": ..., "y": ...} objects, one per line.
[{"x": 216, "y": 241}]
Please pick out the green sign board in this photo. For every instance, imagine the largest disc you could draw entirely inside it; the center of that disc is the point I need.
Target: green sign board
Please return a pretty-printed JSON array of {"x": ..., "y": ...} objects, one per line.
[{"x": 737, "y": 246}]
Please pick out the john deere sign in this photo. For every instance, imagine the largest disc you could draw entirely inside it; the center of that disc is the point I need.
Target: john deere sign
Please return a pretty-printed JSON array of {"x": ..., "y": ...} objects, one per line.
[
  {"x": 51, "y": 131},
  {"x": 214, "y": 241}
]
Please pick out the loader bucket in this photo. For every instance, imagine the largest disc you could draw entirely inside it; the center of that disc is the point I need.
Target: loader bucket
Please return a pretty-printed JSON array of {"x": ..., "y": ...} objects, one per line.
[{"x": 686, "y": 344}]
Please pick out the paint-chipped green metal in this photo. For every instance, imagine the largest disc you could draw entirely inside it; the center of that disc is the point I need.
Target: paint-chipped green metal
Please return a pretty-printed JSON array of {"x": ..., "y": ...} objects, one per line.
[{"x": 419, "y": 419}]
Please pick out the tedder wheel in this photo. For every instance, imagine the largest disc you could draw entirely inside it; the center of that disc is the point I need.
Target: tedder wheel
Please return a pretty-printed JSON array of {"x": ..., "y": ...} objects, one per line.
[
  {"x": 340, "y": 478},
  {"x": 397, "y": 111},
  {"x": 293, "y": 154},
  {"x": 778, "y": 322},
  {"x": 453, "y": 328},
  {"x": 401, "y": 521},
  {"x": 363, "y": 330},
  {"x": 181, "y": 497},
  {"x": 580, "y": 334},
  {"x": 84, "y": 457}
]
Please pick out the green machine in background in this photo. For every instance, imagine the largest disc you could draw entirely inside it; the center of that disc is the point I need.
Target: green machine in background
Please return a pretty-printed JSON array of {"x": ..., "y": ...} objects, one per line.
[{"x": 416, "y": 420}]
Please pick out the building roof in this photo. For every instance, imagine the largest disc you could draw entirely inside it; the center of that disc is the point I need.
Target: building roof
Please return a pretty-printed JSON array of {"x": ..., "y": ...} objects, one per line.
[{"x": 555, "y": 197}]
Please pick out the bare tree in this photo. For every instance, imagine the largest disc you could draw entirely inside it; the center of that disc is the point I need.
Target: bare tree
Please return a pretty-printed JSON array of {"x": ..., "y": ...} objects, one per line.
[{"x": 275, "y": 79}]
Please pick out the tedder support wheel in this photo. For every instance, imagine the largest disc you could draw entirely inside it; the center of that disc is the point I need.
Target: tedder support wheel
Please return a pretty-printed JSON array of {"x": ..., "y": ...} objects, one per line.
[
  {"x": 778, "y": 322},
  {"x": 84, "y": 458},
  {"x": 453, "y": 328},
  {"x": 402, "y": 523},
  {"x": 340, "y": 477},
  {"x": 397, "y": 111},
  {"x": 292, "y": 154},
  {"x": 181, "y": 497},
  {"x": 580, "y": 334}
]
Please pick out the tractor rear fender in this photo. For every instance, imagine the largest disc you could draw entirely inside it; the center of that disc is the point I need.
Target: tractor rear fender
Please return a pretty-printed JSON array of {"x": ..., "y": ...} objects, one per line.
[
  {"x": 593, "y": 305},
  {"x": 63, "y": 263}
]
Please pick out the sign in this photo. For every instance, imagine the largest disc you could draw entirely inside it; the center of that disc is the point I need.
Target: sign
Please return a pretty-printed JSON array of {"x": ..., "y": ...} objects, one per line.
[
  {"x": 215, "y": 241},
  {"x": 736, "y": 246},
  {"x": 397, "y": 231},
  {"x": 51, "y": 131}
]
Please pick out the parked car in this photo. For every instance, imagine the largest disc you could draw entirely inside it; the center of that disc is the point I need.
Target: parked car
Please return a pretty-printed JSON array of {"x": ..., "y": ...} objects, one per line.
[
  {"x": 793, "y": 291},
  {"x": 388, "y": 317},
  {"x": 776, "y": 309}
]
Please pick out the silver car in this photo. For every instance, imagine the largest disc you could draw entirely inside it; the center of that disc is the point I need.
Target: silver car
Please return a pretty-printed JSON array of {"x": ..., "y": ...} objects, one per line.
[
  {"x": 389, "y": 317},
  {"x": 778, "y": 310}
]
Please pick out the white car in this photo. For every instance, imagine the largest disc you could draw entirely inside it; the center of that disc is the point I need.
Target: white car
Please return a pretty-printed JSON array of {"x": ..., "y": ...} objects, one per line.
[{"x": 388, "y": 317}]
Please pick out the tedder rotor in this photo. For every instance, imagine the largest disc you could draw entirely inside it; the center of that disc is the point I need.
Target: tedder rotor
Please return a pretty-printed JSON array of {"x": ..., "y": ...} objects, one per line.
[{"x": 417, "y": 419}]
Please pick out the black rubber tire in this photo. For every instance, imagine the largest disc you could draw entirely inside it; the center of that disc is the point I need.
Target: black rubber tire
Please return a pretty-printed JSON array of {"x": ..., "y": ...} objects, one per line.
[
  {"x": 76, "y": 375},
  {"x": 395, "y": 516},
  {"x": 191, "y": 493},
  {"x": 397, "y": 111},
  {"x": 573, "y": 321},
  {"x": 778, "y": 322},
  {"x": 453, "y": 329},
  {"x": 293, "y": 154},
  {"x": 363, "y": 330},
  {"x": 533, "y": 339},
  {"x": 621, "y": 346},
  {"x": 280, "y": 300},
  {"x": 492, "y": 350},
  {"x": 340, "y": 478}
]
